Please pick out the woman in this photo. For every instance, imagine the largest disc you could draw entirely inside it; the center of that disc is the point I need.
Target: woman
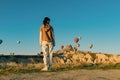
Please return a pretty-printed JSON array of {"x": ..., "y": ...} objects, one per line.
[{"x": 47, "y": 42}]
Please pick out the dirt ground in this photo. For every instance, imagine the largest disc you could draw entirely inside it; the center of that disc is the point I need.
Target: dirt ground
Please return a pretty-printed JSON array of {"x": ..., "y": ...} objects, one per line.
[{"x": 67, "y": 75}]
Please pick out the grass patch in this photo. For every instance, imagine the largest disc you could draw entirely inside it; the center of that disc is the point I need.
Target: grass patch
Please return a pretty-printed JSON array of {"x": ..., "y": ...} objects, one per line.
[
  {"x": 15, "y": 70},
  {"x": 89, "y": 67}
]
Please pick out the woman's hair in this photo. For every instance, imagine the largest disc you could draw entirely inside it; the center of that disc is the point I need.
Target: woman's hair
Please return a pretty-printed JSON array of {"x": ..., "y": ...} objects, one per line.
[{"x": 45, "y": 21}]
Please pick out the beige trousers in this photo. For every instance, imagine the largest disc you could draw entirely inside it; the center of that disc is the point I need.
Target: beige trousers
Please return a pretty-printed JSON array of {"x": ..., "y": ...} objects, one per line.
[{"x": 47, "y": 48}]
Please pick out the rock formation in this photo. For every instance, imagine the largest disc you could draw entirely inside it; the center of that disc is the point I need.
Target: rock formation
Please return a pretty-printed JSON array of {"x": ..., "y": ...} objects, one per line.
[{"x": 69, "y": 56}]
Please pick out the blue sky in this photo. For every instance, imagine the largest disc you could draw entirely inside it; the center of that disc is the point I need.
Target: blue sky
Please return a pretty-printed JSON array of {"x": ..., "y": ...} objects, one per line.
[{"x": 96, "y": 21}]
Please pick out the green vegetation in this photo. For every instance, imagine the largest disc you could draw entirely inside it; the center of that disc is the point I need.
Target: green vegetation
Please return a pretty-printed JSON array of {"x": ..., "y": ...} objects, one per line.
[
  {"x": 15, "y": 69},
  {"x": 90, "y": 67}
]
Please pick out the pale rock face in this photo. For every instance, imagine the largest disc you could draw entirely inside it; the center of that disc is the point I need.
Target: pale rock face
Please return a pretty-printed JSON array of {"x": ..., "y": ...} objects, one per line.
[
  {"x": 68, "y": 61},
  {"x": 118, "y": 59},
  {"x": 75, "y": 56},
  {"x": 62, "y": 61},
  {"x": 101, "y": 58},
  {"x": 56, "y": 60},
  {"x": 80, "y": 58},
  {"x": 114, "y": 59},
  {"x": 88, "y": 58},
  {"x": 69, "y": 56}
]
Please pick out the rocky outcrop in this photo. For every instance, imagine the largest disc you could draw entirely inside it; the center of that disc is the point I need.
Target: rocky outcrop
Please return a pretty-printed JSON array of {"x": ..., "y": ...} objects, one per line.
[
  {"x": 87, "y": 58},
  {"x": 69, "y": 56}
]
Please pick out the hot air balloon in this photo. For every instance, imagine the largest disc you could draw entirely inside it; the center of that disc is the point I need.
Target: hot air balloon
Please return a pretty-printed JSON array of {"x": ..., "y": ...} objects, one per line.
[
  {"x": 18, "y": 42},
  {"x": 90, "y": 46},
  {"x": 80, "y": 37},
  {"x": 1, "y": 41},
  {"x": 76, "y": 40}
]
